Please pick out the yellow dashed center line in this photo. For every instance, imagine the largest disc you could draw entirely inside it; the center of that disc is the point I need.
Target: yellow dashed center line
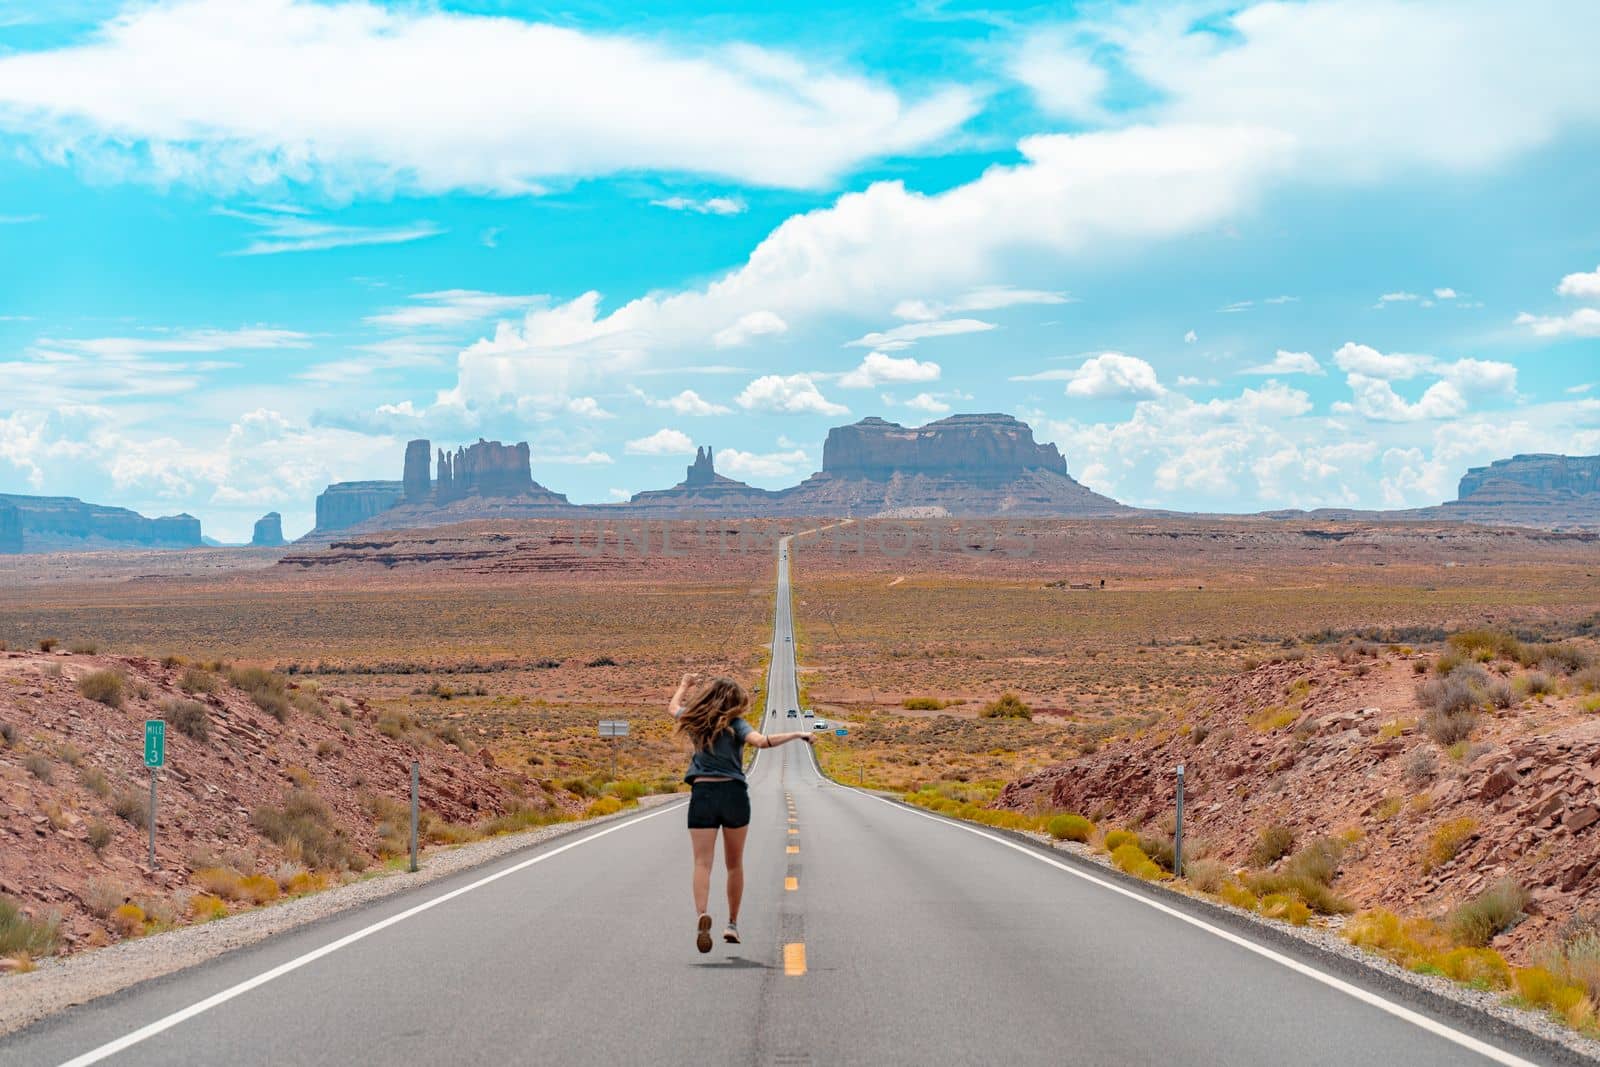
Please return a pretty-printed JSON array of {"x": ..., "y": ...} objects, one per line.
[
  {"x": 793, "y": 831},
  {"x": 791, "y": 883},
  {"x": 793, "y": 849},
  {"x": 794, "y": 958}
]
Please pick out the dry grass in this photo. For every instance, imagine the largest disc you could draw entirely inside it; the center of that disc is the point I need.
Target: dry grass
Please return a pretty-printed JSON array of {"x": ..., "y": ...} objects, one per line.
[
  {"x": 305, "y": 829},
  {"x": 103, "y": 687},
  {"x": 1447, "y": 841},
  {"x": 22, "y": 935}
]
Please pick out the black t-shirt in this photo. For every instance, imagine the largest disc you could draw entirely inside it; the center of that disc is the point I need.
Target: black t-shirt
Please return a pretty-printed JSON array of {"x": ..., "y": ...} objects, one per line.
[{"x": 725, "y": 757}]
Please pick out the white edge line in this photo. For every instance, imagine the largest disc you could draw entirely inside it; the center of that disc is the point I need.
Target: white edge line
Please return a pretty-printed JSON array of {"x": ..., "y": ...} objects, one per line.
[
  {"x": 127, "y": 1041},
  {"x": 1399, "y": 1011}
]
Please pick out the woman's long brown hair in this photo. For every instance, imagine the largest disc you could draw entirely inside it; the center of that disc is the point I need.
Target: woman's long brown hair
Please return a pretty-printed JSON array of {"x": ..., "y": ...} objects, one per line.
[{"x": 712, "y": 710}]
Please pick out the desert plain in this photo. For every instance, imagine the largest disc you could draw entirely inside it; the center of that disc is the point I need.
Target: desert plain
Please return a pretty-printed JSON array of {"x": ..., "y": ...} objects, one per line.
[{"x": 1012, "y": 671}]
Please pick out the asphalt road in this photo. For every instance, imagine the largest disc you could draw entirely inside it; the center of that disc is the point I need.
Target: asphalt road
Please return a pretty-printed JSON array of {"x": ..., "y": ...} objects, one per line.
[{"x": 874, "y": 934}]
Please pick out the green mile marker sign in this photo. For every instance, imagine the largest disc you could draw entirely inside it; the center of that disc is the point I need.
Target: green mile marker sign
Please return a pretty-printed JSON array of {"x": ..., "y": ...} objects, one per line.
[{"x": 155, "y": 743}]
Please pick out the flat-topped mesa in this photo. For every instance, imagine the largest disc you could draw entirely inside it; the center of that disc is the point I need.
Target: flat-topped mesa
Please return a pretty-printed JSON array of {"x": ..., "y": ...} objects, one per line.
[
  {"x": 10, "y": 529},
  {"x": 1546, "y": 473},
  {"x": 416, "y": 483},
  {"x": 52, "y": 523},
  {"x": 488, "y": 468},
  {"x": 343, "y": 504},
  {"x": 964, "y": 465},
  {"x": 268, "y": 531},
  {"x": 989, "y": 446}
]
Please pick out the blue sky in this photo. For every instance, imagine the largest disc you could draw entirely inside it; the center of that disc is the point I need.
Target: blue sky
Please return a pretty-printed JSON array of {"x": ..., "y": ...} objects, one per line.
[{"x": 1227, "y": 256}]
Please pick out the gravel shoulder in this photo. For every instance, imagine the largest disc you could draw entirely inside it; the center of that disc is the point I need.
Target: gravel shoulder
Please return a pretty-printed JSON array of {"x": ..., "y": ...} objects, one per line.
[{"x": 60, "y": 983}]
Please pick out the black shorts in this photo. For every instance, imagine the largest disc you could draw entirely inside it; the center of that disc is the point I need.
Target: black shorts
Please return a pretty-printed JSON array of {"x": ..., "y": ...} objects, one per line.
[{"x": 714, "y": 804}]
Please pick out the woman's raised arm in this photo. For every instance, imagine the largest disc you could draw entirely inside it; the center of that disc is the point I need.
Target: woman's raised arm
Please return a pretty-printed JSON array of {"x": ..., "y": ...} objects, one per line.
[{"x": 685, "y": 686}]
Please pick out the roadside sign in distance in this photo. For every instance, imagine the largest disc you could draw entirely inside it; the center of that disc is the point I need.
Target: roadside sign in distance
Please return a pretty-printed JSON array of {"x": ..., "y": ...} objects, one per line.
[
  {"x": 613, "y": 727},
  {"x": 155, "y": 743},
  {"x": 840, "y": 732}
]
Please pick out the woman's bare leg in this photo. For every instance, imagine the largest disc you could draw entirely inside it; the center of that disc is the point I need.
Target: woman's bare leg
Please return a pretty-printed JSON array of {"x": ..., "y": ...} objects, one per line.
[
  {"x": 733, "y": 859},
  {"x": 705, "y": 853}
]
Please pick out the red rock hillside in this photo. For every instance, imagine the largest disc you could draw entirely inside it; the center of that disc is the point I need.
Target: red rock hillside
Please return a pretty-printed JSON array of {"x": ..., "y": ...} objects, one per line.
[
  {"x": 299, "y": 801},
  {"x": 1335, "y": 748}
]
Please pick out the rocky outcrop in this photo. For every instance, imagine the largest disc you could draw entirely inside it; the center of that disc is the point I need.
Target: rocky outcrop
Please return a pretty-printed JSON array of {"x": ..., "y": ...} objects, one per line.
[
  {"x": 487, "y": 480},
  {"x": 64, "y": 523},
  {"x": 963, "y": 465},
  {"x": 343, "y": 504},
  {"x": 1347, "y": 751},
  {"x": 703, "y": 492},
  {"x": 982, "y": 446},
  {"x": 268, "y": 532},
  {"x": 416, "y": 483},
  {"x": 10, "y": 529},
  {"x": 1544, "y": 473},
  {"x": 488, "y": 468}
]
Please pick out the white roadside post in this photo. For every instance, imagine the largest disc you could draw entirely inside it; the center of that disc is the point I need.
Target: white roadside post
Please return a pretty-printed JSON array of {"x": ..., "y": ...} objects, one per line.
[{"x": 155, "y": 755}]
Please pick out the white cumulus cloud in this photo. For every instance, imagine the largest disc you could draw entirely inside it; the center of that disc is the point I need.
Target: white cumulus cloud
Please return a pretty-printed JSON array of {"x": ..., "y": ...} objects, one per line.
[
  {"x": 733, "y": 462},
  {"x": 664, "y": 442},
  {"x": 880, "y": 369},
  {"x": 794, "y": 394},
  {"x": 1113, "y": 375},
  {"x": 1285, "y": 362}
]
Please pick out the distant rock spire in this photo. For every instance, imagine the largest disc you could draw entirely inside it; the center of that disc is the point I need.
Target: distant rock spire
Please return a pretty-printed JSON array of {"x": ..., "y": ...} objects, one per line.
[{"x": 701, "y": 471}]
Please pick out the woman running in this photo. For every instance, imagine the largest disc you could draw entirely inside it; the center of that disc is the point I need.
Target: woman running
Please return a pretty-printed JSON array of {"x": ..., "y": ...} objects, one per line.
[{"x": 711, "y": 714}]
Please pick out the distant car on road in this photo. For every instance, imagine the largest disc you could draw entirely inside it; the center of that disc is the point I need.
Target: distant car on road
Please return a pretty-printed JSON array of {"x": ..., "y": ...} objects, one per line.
[
  {"x": 808, "y": 713},
  {"x": 793, "y": 713},
  {"x": 820, "y": 724}
]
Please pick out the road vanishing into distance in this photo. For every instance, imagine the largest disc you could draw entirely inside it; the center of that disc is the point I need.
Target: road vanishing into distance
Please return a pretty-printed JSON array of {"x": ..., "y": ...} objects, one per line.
[{"x": 874, "y": 934}]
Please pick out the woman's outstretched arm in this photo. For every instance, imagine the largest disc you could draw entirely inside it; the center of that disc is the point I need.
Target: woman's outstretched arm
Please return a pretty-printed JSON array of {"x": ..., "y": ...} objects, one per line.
[{"x": 761, "y": 740}]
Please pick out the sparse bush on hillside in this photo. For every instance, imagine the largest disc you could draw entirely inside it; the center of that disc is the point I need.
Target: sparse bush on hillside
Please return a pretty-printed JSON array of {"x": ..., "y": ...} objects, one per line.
[
  {"x": 1007, "y": 706},
  {"x": 130, "y": 806},
  {"x": 1491, "y": 912},
  {"x": 1131, "y": 859},
  {"x": 83, "y": 647},
  {"x": 48, "y": 644},
  {"x": 1307, "y": 876},
  {"x": 100, "y": 835},
  {"x": 922, "y": 704},
  {"x": 303, "y": 827},
  {"x": 1115, "y": 839},
  {"x": 602, "y": 661},
  {"x": 8, "y": 734},
  {"x": 194, "y": 680},
  {"x": 1561, "y": 658},
  {"x": 1205, "y": 875},
  {"x": 104, "y": 687},
  {"x": 39, "y": 766},
  {"x": 1501, "y": 693},
  {"x": 1574, "y": 952},
  {"x": 95, "y": 781},
  {"x": 1271, "y": 844},
  {"x": 1536, "y": 684},
  {"x": 188, "y": 717},
  {"x": 1485, "y": 645},
  {"x": 20, "y": 934},
  {"x": 269, "y": 691},
  {"x": 1070, "y": 827},
  {"x": 1447, "y": 841}
]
